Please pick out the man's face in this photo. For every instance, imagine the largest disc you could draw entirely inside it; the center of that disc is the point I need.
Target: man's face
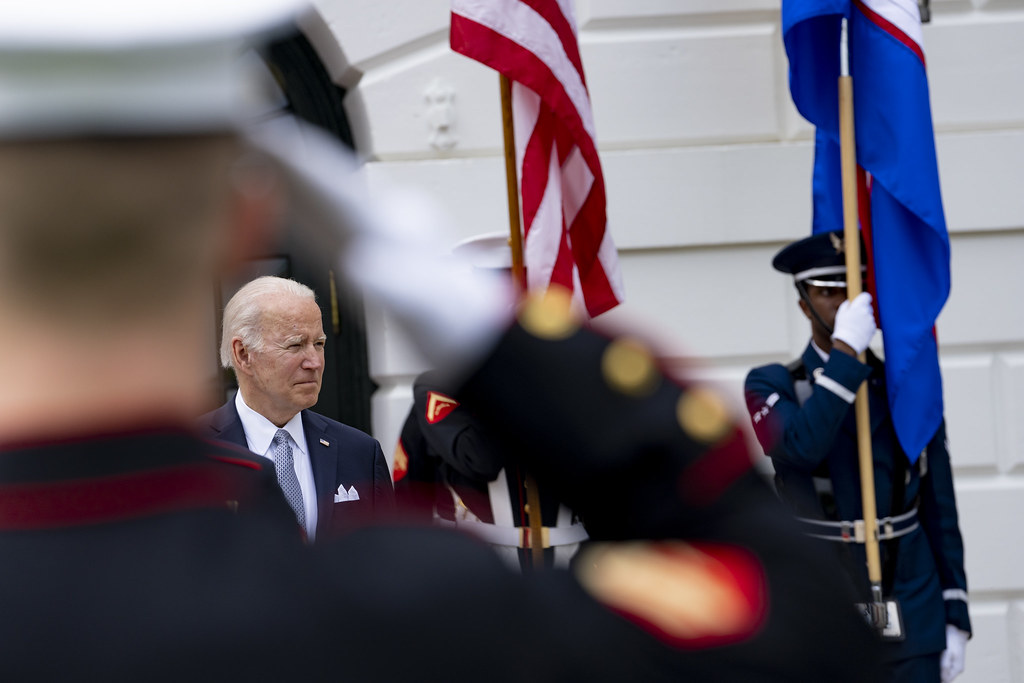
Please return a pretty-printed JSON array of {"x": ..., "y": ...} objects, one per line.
[
  {"x": 826, "y": 301},
  {"x": 285, "y": 375}
]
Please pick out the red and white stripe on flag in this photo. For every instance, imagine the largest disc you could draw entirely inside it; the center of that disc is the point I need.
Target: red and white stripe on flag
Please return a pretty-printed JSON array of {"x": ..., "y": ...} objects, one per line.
[{"x": 566, "y": 237}]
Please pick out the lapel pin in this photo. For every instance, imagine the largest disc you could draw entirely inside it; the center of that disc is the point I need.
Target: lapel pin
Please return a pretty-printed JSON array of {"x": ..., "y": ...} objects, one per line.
[{"x": 325, "y": 442}]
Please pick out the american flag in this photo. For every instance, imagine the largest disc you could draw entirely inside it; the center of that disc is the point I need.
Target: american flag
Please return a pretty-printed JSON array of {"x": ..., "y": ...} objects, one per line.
[{"x": 566, "y": 237}]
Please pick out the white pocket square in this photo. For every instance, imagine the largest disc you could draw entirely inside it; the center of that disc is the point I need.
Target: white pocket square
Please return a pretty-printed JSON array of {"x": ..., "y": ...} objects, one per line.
[{"x": 341, "y": 495}]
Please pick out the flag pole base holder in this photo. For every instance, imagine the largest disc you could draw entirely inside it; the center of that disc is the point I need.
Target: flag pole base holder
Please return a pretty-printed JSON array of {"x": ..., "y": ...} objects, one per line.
[{"x": 885, "y": 617}]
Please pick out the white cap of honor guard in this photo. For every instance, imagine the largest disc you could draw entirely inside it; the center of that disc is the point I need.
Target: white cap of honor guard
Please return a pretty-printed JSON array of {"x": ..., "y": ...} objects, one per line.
[
  {"x": 129, "y": 66},
  {"x": 490, "y": 251}
]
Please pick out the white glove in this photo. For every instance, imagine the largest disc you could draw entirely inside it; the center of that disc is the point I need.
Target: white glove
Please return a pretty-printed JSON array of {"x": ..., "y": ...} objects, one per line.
[
  {"x": 393, "y": 249},
  {"x": 953, "y": 655},
  {"x": 855, "y": 323}
]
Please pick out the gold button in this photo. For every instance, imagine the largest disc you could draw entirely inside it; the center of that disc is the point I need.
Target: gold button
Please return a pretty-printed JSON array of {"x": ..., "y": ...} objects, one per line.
[
  {"x": 703, "y": 415},
  {"x": 628, "y": 367},
  {"x": 548, "y": 315}
]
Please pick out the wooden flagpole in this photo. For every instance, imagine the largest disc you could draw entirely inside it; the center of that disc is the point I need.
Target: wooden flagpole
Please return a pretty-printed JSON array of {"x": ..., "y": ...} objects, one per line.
[
  {"x": 512, "y": 185},
  {"x": 851, "y": 237},
  {"x": 533, "y": 511}
]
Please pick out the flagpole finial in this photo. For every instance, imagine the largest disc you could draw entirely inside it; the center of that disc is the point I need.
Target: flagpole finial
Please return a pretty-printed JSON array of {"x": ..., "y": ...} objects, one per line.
[
  {"x": 924, "y": 7},
  {"x": 844, "y": 49}
]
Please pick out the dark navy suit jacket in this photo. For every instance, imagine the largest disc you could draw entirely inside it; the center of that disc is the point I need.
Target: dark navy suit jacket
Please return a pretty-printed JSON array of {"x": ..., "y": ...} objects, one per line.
[{"x": 340, "y": 455}]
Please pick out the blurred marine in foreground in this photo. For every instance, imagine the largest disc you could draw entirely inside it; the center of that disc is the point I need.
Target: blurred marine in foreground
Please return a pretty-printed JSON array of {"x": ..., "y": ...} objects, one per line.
[{"x": 133, "y": 550}]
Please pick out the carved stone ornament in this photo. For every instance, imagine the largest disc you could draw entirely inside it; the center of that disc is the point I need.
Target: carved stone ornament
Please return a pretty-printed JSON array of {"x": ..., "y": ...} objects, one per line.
[{"x": 440, "y": 101}]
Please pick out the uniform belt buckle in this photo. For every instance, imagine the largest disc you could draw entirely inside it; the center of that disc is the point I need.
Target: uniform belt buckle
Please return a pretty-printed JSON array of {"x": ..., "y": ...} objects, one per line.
[{"x": 857, "y": 527}]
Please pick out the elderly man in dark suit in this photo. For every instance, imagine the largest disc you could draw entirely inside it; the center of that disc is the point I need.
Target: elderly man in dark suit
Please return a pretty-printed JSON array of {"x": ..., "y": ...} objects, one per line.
[{"x": 333, "y": 475}]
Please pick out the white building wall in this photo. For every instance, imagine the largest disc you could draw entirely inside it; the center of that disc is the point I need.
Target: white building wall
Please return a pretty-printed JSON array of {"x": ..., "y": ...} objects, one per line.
[{"x": 707, "y": 167}]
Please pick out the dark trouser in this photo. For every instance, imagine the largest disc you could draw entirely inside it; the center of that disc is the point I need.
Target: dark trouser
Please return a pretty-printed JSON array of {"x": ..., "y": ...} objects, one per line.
[{"x": 924, "y": 669}]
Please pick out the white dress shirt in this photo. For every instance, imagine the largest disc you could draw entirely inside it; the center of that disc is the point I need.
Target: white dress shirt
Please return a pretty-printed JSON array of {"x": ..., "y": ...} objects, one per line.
[{"x": 259, "y": 435}]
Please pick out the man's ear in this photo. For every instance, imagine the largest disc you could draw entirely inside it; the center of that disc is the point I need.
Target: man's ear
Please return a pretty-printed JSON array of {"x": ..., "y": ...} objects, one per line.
[
  {"x": 241, "y": 357},
  {"x": 806, "y": 309}
]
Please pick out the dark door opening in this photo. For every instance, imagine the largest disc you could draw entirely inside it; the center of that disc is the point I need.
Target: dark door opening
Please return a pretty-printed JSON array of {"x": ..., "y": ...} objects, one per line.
[{"x": 310, "y": 94}]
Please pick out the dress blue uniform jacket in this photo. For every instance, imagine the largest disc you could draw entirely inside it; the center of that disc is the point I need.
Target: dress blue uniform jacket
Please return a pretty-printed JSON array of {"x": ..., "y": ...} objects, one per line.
[
  {"x": 452, "y": 454},
  {"x": 820, "y": 437},
  {"x": 340, "y": 455}
]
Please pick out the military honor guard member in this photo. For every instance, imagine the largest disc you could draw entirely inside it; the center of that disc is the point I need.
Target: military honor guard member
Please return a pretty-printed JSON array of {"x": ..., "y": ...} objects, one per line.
[
  {"x": 449, "y": 471},
  {"x": 803, "y": 416}
]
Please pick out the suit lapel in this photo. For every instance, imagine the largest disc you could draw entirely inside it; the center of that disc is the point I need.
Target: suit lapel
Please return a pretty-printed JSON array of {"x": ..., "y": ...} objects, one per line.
[
  {"x": 227, "y": 426},
  {"x": 323, "y": 457}
]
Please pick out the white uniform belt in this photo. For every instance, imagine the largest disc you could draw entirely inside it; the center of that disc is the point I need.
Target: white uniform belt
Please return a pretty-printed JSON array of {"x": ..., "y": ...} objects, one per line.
[
  {"x": 519, "y": 536},
  {"x": 855, "y": 531}
]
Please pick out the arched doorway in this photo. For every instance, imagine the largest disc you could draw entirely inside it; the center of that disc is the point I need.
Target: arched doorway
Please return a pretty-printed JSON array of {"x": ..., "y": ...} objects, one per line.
[{"x": 309, "y": 93}]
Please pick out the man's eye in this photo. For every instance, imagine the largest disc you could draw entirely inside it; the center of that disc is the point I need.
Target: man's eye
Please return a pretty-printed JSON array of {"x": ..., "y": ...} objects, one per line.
[{"x": 827, "y": 291}]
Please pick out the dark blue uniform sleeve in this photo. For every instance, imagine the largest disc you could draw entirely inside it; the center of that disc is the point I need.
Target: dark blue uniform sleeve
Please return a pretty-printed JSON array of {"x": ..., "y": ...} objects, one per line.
[
  {"x": 800, "y": 437},
  {"x": 939, "y": 518},
  {"x": 456, "y": 438}
]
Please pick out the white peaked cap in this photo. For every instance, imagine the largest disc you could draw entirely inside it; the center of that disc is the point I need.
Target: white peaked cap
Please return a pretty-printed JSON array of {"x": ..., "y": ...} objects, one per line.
[
  {"x": 129, "y": 66},
  {"x": 491, "y": 250}
]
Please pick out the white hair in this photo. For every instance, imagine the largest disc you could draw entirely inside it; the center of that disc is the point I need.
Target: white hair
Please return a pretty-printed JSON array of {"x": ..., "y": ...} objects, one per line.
[{"x": 243, "y": 313}]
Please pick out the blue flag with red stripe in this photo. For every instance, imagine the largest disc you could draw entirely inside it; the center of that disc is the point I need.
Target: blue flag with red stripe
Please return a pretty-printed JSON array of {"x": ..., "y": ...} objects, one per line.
[{"x": 896, "y": 146}]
